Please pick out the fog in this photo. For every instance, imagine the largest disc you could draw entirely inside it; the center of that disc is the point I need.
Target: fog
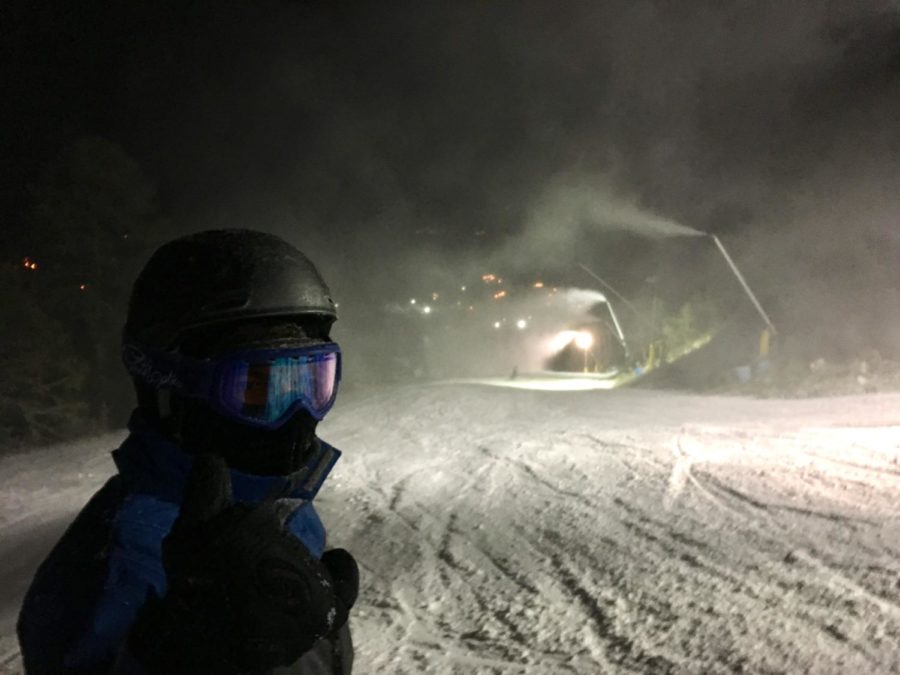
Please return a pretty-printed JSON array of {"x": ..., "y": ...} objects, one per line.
[
  {"x": 413, "y": 148},
  {"x": 467, "y": 337},
  {"x": 506, "y": 138}
]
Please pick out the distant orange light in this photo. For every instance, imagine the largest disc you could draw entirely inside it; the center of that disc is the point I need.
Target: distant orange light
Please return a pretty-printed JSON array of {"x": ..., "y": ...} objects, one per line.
[
  {"x": 82, "y": 287},
  {"x": 29, "y": 264},
  {"x": 501, "y": 294},
  {"x": 538, "y": 284},
  {"x": 488, "y": 278}
]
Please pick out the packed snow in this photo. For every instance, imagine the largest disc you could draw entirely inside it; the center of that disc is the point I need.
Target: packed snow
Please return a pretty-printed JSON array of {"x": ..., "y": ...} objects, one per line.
[{"x": 546, "y": 530}]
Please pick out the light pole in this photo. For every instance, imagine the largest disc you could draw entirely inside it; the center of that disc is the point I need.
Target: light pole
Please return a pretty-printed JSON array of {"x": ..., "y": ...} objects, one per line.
[
  {"x": 612, "y": 313},
  {"x": 744, "y": 285}
]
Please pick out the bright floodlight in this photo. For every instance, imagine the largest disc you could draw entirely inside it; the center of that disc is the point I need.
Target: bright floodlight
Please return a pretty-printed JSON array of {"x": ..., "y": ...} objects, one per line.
[
  {"x": 521, "y": 323},
  {"x": 496, "y": 324},
  {"x": 584, "y": 340},
  {"x": 426, "y": 309},
  {"x": 559, "y": 342},
  {"x": 413, "y": 301}
]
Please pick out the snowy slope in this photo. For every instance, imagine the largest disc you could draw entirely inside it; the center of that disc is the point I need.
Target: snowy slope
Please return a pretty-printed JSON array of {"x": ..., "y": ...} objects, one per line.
[{"x": 519, "y": 531}]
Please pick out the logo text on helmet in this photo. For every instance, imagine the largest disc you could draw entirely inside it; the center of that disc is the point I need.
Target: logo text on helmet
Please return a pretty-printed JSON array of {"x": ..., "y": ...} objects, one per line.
[{"x": 141, "y": 365}]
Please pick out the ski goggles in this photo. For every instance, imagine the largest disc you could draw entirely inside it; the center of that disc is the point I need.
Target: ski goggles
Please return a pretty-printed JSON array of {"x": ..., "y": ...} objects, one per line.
[{"x": 259, "y": 387}]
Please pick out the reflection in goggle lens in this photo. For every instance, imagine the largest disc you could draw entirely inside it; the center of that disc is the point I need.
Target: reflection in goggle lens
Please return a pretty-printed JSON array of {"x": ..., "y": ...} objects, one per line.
[{"x": 264, "y": 391}]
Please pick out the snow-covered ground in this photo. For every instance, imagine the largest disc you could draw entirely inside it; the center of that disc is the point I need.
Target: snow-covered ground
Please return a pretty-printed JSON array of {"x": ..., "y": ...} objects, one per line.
[{"x": 504, "y": 530}]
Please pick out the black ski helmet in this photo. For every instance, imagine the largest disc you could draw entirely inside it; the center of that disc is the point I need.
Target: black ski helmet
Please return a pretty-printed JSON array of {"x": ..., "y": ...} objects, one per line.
[{"x": 222, "y": 276}]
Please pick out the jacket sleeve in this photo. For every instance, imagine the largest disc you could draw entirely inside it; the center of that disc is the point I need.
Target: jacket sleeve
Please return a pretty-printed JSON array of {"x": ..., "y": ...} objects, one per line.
[{"x": 59, "y": 606}]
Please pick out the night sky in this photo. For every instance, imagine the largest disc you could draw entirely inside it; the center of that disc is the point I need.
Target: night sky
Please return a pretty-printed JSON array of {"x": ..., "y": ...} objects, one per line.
[{"x": 410, "y": 145}]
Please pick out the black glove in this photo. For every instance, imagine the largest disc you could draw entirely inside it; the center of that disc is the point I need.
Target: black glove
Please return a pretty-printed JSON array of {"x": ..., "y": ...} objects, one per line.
[{"x": 244, "y": 594}]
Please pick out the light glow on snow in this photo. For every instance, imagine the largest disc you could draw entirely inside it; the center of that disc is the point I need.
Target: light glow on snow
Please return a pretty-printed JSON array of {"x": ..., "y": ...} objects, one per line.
[
  {"x": 553, "y": 385},
  {"x": 548, "y": 381}
]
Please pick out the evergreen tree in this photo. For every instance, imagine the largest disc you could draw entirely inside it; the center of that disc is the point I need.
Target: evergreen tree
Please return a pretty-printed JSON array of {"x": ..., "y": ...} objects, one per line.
[{"x": 43, "y": 376}]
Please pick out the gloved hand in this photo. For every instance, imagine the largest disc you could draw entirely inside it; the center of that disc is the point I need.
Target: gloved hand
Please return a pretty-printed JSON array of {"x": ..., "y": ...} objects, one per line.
[{"x": 244, "y": 594}]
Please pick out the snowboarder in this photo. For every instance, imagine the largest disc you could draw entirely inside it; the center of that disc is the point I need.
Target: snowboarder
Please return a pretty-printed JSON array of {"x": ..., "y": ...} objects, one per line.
[{"x": 204, "y": 554}]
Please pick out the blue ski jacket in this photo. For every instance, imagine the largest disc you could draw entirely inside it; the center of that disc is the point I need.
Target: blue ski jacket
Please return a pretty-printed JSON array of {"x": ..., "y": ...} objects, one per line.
[{"x": 86, "y": 595}]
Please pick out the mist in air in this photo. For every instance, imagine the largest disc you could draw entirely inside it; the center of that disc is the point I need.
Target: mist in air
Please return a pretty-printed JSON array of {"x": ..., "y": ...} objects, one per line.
[
  {"x": 521, "y": 140},
  {"x": 410, "y": 150}
]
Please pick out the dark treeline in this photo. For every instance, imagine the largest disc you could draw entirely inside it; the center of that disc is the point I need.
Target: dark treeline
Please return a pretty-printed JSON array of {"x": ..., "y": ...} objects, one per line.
[
  {"x": 79, "y": 214},
  {"x": 88, "y": 222}
]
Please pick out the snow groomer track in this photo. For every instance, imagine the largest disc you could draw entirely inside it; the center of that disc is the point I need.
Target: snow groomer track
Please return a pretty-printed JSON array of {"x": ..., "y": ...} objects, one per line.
[{"x": 509, "y": 530}]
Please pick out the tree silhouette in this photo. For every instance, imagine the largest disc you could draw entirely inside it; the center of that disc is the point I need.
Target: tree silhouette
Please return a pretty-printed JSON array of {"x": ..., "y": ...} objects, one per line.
[{"x": 93, "y": 219}]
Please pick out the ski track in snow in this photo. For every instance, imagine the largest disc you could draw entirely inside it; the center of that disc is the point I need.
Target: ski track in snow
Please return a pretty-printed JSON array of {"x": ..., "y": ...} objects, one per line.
[{"x": 512, "y": 531}]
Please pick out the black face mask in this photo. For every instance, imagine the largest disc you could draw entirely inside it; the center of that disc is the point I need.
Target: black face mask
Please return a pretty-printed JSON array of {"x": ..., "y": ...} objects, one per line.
[{"x": 278, "y": 452}]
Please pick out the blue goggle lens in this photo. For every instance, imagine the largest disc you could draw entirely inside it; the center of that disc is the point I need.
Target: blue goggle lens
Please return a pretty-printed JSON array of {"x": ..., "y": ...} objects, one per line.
[{"x": 264, "y": 390}]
